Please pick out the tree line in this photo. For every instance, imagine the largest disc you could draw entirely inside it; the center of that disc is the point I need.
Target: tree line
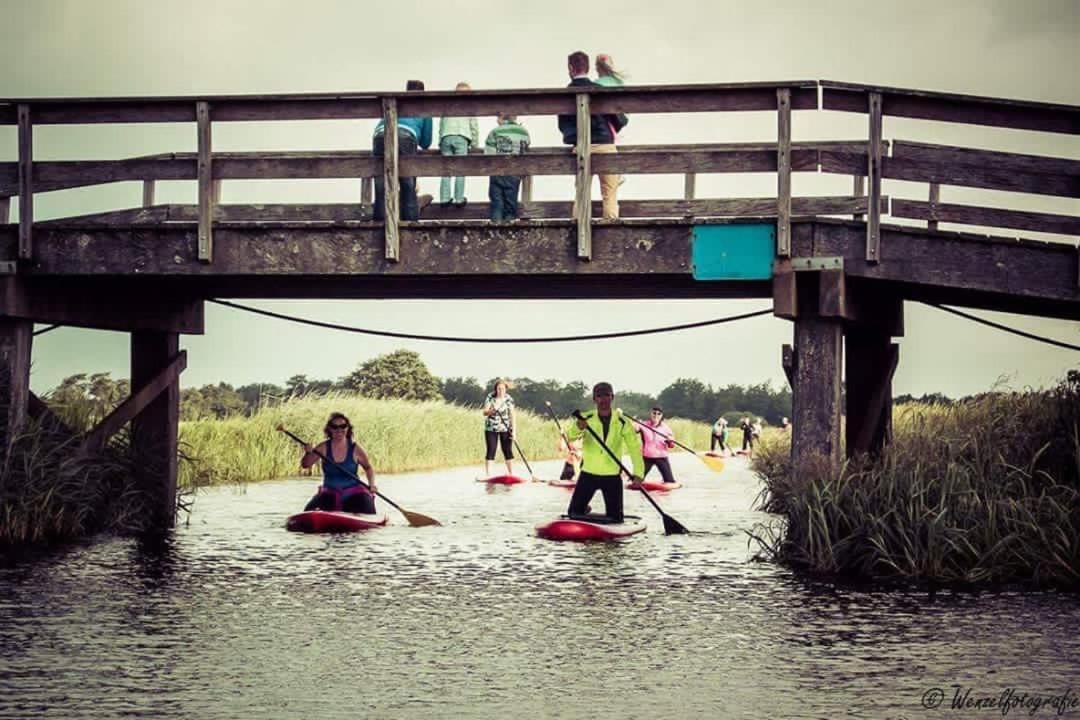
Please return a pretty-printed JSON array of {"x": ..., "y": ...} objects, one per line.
[{"x": 403, "y": 374}]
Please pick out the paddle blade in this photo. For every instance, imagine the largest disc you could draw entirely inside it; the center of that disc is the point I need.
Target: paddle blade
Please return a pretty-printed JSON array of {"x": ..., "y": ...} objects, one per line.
[
  {"x": 418, "y": 520},
  {"x": 714, "y": 463},
  {"x": 672, "y": 526}
]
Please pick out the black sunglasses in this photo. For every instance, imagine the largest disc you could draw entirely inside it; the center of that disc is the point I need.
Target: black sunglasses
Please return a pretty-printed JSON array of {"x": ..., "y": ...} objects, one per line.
[{"x": 338, "y": 427}]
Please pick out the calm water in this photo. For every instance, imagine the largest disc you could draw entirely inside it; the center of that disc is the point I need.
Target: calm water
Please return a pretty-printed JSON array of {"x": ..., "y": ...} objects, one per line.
[{"x": 231, "y": 616}]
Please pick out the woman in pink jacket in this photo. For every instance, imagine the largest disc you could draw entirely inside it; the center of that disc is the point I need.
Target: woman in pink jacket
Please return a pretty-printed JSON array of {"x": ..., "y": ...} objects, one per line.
[{"x": 656, "y": 441}]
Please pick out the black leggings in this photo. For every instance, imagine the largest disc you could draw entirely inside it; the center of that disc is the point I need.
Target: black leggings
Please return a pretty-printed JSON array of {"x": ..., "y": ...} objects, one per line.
[
  {"x": 491, "y": 438},
  {"x": 663, "y": 464},
  {"x": 354, "y": 502},
  {"x": 718, "y": 440},
  {"x": 587, "y": 485}
]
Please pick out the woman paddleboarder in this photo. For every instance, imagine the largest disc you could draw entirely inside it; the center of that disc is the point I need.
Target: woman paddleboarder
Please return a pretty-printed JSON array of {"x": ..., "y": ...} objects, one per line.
[
  {"x": 339, "y": 490},
  {"x": 499, "y": 426}
]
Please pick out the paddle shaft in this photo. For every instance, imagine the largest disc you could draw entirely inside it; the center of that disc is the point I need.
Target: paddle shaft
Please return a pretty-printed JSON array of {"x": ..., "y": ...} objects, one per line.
[
  {"x": 523, "y": 458},
  {"x": 666, "y": 437},
  {"x": 342, "y": 469},
  {"x": 618, "y": 462}
]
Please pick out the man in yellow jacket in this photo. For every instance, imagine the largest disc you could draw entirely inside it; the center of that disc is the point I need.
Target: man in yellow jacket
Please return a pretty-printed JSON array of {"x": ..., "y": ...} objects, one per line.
[{"x": 598, "y": 470}]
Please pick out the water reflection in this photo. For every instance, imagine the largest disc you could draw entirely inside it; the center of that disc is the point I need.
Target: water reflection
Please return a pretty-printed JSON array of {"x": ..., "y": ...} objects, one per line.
[{"x": 230, "y": 616}]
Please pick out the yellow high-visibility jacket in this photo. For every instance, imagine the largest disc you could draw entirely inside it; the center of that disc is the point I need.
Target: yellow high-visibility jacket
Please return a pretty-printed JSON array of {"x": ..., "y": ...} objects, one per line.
[{"x": 621, "y": 438}]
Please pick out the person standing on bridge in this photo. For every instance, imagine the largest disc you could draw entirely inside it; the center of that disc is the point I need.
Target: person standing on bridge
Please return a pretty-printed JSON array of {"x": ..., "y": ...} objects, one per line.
[
  {"x": 456, "y": 136},
  {"x": 598, "y": 470},
  {"x": 499, "y": 424},
  {"x": 507, "y": 138},
  {"x": 413, "y": 133},
  {"x": 601, "y": 128},
  {"x": 341, "y": 491}
]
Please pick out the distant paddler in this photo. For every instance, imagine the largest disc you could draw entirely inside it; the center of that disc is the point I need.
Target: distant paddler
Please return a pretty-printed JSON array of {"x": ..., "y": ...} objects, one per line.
[
  {"x": 499, "y": 422},
  {"x": 657, "y": 438}
]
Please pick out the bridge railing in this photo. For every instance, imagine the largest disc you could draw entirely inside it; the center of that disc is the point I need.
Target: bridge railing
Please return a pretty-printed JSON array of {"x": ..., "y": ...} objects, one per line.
[
  {"x": 209, "y": 168},
  {"x": 939, "y": 165}
]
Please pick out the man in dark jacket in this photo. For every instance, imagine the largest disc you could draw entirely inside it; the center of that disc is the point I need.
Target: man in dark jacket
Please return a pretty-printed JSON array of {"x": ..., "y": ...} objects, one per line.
[{"x": 602, "y": 129}]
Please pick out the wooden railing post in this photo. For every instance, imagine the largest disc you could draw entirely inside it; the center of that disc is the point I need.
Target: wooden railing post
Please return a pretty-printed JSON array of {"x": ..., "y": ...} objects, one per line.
[
  {"x": 391, "y": 205},
  {"x": 873, "y": 174},
  {"x": 205, "y": 175},
  {"x": 783, "y": 172},
  {"x": 935, "y": 198},
  {"x": 5, "y": 210},
  {"x": 26, "y": 183},
  {"x": 689, "y": 189},
  {"x": 583, "y": 186},
  {"x": 147, "y": 193},
  {"x": 367, "y": 190}
]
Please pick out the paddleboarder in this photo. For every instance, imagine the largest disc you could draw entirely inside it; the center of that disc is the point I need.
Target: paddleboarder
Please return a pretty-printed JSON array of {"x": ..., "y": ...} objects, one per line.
[
  {"x": 339, "y": 491},
  {"x": 598, "y": 470},
  {"x": 499, "y": 425},
  {"x": 657, "y": 438}
]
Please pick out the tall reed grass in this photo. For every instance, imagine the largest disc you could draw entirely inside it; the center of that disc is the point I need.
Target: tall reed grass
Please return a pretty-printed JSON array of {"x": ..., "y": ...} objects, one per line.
[
  {"x": 398, "y": 435},
  {"x": 986, "y": 491}
]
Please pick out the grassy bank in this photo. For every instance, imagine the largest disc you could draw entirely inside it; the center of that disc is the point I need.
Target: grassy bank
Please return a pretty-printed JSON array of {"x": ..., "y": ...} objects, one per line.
[
  {"x": 986, "y": 491},
  {"x": 399, "y": 436}
]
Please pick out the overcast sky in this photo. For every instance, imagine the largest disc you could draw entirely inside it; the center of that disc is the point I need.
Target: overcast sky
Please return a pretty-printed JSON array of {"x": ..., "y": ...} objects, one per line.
[{"x": 1024, "y": 50}]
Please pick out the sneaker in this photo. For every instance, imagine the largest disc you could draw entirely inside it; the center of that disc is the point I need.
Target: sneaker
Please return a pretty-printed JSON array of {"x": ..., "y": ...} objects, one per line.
[{"x": 461, "y": 203}]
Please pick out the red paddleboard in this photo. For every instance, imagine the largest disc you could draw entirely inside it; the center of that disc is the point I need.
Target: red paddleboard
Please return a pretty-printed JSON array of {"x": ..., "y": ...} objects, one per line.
[
  {"x": 563, "y": 483},
  {"x": 657, "y": 486},
  {"x": 501, "y": 480},
  {"x": 589, "y": 527},
  {"x": 324, "y": 521}
]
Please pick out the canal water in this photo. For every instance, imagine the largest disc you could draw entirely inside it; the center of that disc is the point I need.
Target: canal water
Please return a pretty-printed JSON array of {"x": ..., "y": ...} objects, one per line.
[{"x": 232, "y": 617}]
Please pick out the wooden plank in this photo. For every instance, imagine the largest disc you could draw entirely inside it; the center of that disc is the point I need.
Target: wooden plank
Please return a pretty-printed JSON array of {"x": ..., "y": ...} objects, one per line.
[
  {"x": 155, "y": 430},
  {"x": 215, "y": 192},
  {"x": 873, "y": 175},
  {"x": 784, "y": 285},
  {"x": 96, "y": 438},
  {"x": 5, "y": 209},
  {"x": 583, "y": 180},
  {"x": 991, "y": 217},
  {"x": 147, "y": 193},
  {"x": 783, "y": 173},
  {"x": 689, "y": 186},
  {"x": 858, "y": 189},
  {"x": 310, "y": 109},
  {"x": 526, "y": 189},
  {"x": 153, "y": 215},
  {"x": 935, "y": 199},
  {"x": 391, "y": 199},
  {"x": 950, "y": 107},
  {"x": 787, "y": 361},
  {"x": 205, "y": 172},
  {"x": 62, "y": 175},
  {"x": 367, "y": 191},
  {"x": 26, "y": 183},
  {"x": 106, "y": 111},
  {"x": 945, "y": 154}
]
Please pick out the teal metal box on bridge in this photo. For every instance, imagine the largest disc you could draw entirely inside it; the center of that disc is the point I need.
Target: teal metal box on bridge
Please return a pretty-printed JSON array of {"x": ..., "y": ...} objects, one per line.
[{"x": 737, "y": 251}]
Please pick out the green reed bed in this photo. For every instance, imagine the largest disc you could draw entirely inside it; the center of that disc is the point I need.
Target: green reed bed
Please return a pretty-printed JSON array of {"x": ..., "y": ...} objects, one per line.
[
  {"x": 983, "y": 492},
  {"x": 399, "y": 436}
]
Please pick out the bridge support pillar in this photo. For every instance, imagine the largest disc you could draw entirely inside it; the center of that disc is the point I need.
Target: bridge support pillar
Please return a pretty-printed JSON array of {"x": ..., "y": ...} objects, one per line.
[
  {"x": 815, "y": 440},
  {"x": 16, "y": 339},
  {"x": 154, "y": 431},
  {"x": 870, "y": 359}
]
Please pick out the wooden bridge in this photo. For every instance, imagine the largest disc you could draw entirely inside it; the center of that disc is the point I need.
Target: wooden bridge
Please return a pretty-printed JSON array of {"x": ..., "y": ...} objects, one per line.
[{"x": 836, "y": 266}]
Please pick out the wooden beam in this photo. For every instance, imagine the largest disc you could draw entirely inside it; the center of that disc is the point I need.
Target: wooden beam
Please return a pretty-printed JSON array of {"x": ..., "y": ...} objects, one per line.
[
  {"x": 690, "y": 186},
  {"x": 873, "y": 161},
  {"x": 950, "y": 107},
  {"x": 992, "y": 217},
  {"x": 870, "y": 363},
  {"x": 783, "y": 173},
  {"x": 16, "y": 339},
  {"x": 367, "y": 191},
  {"x": 139, "y": 399},
  {"x": 784, "y": 286},
  {"x": 815, "y": 442},
  {"x": 391, "y": 181},
  {"x": 206, "y": 191},
  {"x": 935, "y": 198},
  {"x": 148, "y": 193},
  {"x": 858, "y": 190},
  {"x": 154, "y": 431},
  {"x": 787, "y": 360},
  {"x": 583, "y": 180},
  {"x": 946, "y": 154},
  {"x": 26, "y": 183}
]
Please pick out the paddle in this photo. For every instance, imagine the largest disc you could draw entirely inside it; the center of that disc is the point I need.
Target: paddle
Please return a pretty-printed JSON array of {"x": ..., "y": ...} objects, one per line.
[
  {"x": 415, "y": 519},
  {"x": 713, "y": 463},
  {"x": 525, "y": 460},
  {"x": 671, "y": 525}
]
